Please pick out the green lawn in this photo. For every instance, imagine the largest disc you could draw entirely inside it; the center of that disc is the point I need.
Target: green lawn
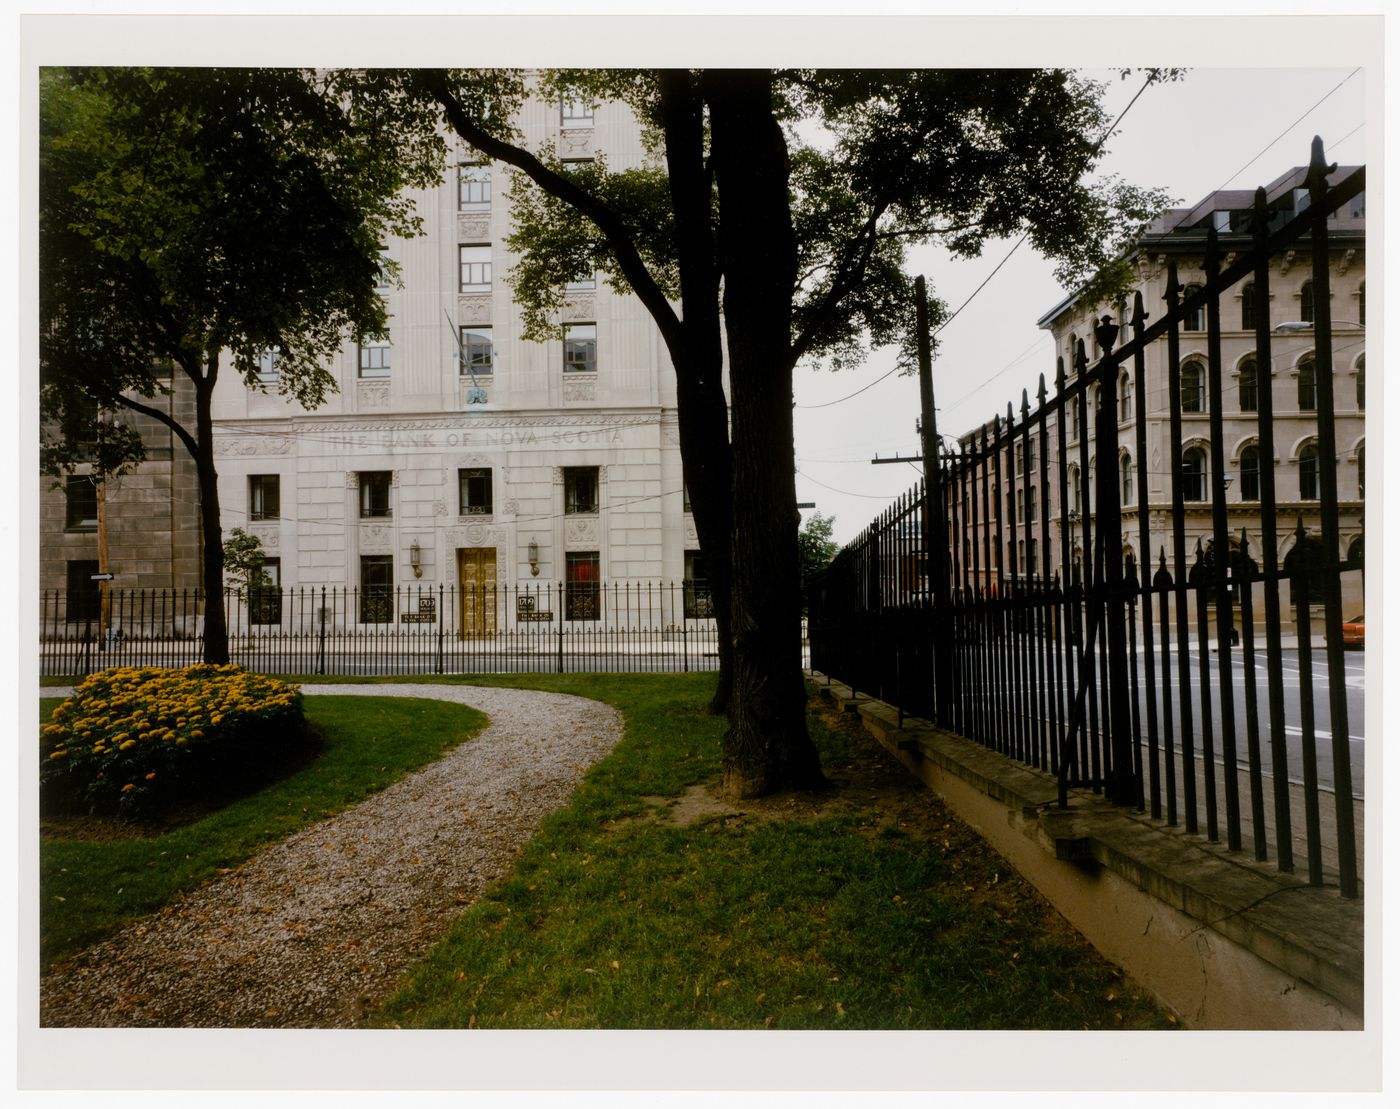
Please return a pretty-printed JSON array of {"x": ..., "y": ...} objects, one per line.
[
  {"x": 91, "y": 887},
  {"x": 836, "y": 918},
  {"x": 871, "y": 907}
]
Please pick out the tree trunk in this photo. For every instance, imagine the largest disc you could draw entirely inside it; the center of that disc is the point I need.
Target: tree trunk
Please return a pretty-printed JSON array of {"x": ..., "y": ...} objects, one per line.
[
  {"x": 767, "y": 747},
  {"x": 703, "y": 413},
  {"x": 211, "y": 529}
]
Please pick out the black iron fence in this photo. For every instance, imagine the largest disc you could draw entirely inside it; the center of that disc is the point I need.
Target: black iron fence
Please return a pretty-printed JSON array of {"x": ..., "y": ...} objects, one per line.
[
  {"x": 557, "y": 628},
  {"x": 1163, "y": 687}
]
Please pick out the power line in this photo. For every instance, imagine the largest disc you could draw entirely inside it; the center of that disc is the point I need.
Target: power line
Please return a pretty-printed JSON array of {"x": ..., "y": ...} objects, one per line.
[{"x": 1282, "y": 134}]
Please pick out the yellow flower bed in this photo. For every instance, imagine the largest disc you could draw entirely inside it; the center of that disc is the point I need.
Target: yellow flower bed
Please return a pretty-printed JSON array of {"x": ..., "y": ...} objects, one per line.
[{"x": 137, "y": 739}]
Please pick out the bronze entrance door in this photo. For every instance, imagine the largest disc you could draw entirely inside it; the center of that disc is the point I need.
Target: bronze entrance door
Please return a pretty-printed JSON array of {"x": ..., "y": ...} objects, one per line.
[{"x": 476, "y": 581}]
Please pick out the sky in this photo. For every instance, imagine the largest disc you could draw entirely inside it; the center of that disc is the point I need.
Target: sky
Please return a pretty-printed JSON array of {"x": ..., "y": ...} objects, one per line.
[{"x": 1215, "y": 128}]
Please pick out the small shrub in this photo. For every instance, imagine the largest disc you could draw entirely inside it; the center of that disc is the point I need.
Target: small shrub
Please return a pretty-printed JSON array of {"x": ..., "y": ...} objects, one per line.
[{"x": 135, "y": 741}]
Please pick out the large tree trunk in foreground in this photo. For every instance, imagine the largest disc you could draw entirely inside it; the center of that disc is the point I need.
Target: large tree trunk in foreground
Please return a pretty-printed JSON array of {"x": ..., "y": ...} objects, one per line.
[
  {"x": 767, "y": 747},
  {"x": 703, "y": 414}
]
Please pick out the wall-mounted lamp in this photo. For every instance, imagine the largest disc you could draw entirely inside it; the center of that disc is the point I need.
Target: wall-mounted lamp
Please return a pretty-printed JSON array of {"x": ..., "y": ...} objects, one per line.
[
  {"x": 533, "y": 554},
  {"x": 415, "y": 559}
]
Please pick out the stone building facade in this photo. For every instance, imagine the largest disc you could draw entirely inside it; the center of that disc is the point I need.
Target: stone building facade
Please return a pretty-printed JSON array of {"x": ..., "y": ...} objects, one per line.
[
  {"x": 458, "y": 453},
  {"x": 151, "y": 520}
]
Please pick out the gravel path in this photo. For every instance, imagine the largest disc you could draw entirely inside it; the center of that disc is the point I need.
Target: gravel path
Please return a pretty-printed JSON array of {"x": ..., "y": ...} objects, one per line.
[{"x": 310, "y": 932}]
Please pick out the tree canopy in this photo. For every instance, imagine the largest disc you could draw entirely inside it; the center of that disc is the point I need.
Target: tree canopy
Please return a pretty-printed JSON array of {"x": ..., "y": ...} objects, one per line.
[
  {"x": 186, "y": 214},
  {"x": 772, "y": 226}
]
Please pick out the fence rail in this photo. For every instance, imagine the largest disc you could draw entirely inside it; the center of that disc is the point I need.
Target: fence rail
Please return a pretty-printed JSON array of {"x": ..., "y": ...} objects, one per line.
[
  {"x": 1142, "y": 683},
  {"x": 621, "y": 626}
]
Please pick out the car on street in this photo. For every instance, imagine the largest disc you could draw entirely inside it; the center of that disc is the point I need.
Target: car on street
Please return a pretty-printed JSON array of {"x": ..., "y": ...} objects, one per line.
[{"x": 1354, "y": 632}]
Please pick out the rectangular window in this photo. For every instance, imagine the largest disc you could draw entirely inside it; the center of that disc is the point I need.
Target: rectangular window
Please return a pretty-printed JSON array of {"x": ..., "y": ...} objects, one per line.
[
  {"x": 575, "y": 113},
  {"x": 473, "y": 188},
  {"x": 474, "y": 492},
  {"x": 582, "y": 283},
  {"x": 374, "y": 493},
  {"x": 1030, "y": 504},
  {"x": 477, "y": 351},
  {"x": 84, "y": 594},
  {"x": 698, "y": 605},
  {"x": 80, "y": 512},
  {"x": 580, "y": 348},
  {"x": 264, "y": 497},
  {"x": 475, "y": 267},
  {"x": 267, "y": 372},
  {"x": 581, "y": 585},
  {"x": 265, "y": 600},
  {"x": 374, "y": 358},
  {"x": 80, "y": 419},
  {"x": 383, "y": 274},
  {"x": 376, "y": 589},
  {"x": 580, "y": 490}
]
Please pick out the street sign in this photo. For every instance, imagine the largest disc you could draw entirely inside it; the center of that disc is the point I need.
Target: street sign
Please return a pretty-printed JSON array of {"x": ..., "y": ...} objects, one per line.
[{"x": 103, "y": 577}]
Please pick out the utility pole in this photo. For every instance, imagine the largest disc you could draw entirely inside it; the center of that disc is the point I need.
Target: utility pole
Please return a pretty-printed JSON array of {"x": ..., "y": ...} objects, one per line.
[{"x": 935, "y": 537}]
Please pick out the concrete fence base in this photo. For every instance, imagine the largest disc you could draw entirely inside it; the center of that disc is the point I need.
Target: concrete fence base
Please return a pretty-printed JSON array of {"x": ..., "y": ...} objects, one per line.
[{"x": 1224, "y": 942}]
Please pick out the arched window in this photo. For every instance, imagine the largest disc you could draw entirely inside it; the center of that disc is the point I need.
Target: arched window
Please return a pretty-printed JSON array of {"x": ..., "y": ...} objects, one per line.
[
  {"x": 1073, "y": 406},
  {"x": 1072, "y": 480},
  {"x": 1249, "y": 386},
  {"x": 1125, "y": 401},
  {"x": 1361, "y": 303},
  {"x": 1249, "y": 474},
  {"x": 1195, "y": 319},
  {"x": 1193, "y": 475},
  {"x": 1361, "y": 471},
  {"x": 1125, "y": 471},
  {"x": 1307, "y": 385},
  {"x": 1361, "y": 384},
  {"x": 1307, "y": 472},
  {"x": 1305, "y": 302},
  {"x": 1193, "y": 387}
]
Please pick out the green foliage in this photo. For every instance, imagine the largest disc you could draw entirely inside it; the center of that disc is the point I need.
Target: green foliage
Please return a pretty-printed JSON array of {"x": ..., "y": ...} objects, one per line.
[
  {"x": 184, "y": 212},
  {"x": 243, "y": 562},
  {"x": 879, "y": 160},
  {"x": 555, "y": 240},
  {"x": 815, "y": 548},
  {"x": 91, "y": 887},
  {"x": 136, "y": 741}
]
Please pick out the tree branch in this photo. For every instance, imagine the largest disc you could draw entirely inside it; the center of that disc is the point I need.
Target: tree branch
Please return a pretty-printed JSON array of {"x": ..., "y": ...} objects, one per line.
[
  {"x": 629, "y": 259},
  {"x": 848, "y": 273},
  {"x": 164, "y": 418}
]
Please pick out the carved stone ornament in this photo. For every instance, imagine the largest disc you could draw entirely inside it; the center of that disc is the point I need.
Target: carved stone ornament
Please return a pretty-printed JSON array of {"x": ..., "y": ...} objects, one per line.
[
  {"x": 511, "y": 507},
  {"x": 476, "y": 534},
  {"x": 580, "y": 306},
  {"x": 456, "y": 422},
  {"x": 473, "y": 394},
  {"x": 474, "y": 309},
  {"x": 578, "y": 530},
  {"x": 376, "y": 539},
  {"x": 253, "y": 444},
  {"x": 352, "y": 479},
  {"x": 269, "y": 537},
  {"x": 1348, "y": 258},
  {"x": 580, "y": 391},
  {"x": 690, "y": 535},
  {"x": 473, "y": 225},
  {"x": 372, "y": 394},
  {"x": 439, "y": 508},
  {"x": 575, "y": 142},
  {"x": 672, "y": 435},
  {"x": 1289, "y": 256}
]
